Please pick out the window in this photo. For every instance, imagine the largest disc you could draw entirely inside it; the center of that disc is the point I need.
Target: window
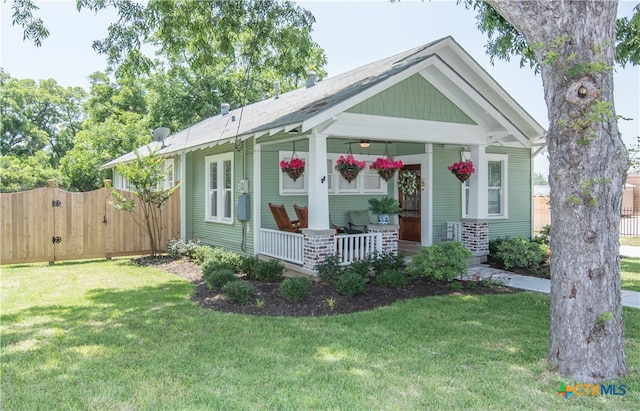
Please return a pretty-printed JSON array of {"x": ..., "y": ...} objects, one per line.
[
  {"x": 169, "y": 176},
  {"x": 496, "y": 187},
  {"x": 219, "y": 188},
  {"x": 287, "y": 185}
]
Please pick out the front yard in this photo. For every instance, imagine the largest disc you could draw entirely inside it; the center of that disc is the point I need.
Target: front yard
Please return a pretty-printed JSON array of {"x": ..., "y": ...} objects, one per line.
[{"x": 112, "y": 335}]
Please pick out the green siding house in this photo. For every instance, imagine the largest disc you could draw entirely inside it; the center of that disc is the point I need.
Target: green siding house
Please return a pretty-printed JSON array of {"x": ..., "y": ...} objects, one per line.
[{"x": 429, "y": 107}]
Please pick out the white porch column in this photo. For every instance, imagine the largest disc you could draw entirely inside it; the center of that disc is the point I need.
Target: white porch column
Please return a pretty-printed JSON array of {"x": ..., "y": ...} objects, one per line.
[
  {"x": 183, "y": 197},
  {"x": 318, "y": 203},
  {"x": 478, "y": 184}
]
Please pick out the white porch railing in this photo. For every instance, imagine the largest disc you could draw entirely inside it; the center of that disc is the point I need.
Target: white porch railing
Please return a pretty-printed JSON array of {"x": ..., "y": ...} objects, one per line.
[
  {"x": 282, "y": 245},
  {"x": 351, "y": 247}
]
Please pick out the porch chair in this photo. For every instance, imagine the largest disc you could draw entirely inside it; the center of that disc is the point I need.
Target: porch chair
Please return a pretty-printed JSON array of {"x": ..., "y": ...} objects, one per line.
[
  {"x": 282, "y": 219},
  {"x": 302, "y": 212},
  {"x": 358, "y": 221}
]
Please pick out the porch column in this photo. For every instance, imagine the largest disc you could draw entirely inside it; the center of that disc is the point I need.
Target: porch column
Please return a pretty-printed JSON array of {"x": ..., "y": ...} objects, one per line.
[
  {"x": 389, "y": 236},
  {"x": 475, "y": 228},
  {"x": 318, "y": 199}
]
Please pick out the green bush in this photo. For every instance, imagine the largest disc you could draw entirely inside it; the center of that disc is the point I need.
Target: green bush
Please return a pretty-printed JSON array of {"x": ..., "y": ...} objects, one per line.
[
  {"x": 387, "y": 261},
  {"x": 444, "y": 261},
  {"x": 521, "y": 253},
  {"x": 210, "y": 267},
  {"x": 351, "y": 283},
  {"x": 329, "y": 270},
  {"x": 360, "y": 267},
  {"x": 247, "y": 266},
  {"x": 544, "y": 236},
  {"x": 392, "y": 278},
  {"x": 179, "y": 249},
  {"x": 493, "y": 246},
  {"x": 240, "y": 292},
  {"x": 295, "y": 289},
  {"x": 217, "y": 279},
  {"x": 269, "y": 271},
  {"x": 204, "y": 253}
]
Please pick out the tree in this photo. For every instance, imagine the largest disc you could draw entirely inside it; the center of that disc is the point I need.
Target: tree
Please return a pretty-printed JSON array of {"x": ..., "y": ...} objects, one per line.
[
  {"x": 146, "y": 173},
  {"x": 20, "y": 173},
  {"x": 573, "y": 44},
  {"x": 540, "y": 179},
  {"x": 39, "y": 116}
]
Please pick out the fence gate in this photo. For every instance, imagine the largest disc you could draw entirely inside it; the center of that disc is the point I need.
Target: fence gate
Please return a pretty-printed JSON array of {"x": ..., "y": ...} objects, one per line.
[{"x": 51, "y": 224}]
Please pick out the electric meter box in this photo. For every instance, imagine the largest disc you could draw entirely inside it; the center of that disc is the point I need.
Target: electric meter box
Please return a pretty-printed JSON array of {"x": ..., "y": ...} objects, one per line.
[{"x": 243, "y": 209}]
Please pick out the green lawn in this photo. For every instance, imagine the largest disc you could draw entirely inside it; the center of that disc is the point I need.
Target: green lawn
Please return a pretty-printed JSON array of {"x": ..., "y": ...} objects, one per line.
[
  {"x": 106, "y": 335},
  {"x": 630, "y": 274}
]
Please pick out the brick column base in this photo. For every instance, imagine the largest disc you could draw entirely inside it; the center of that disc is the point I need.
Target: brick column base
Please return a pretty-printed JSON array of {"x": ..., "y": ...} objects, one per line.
[
  {"x": 318, "y": 245},
  {"x": 475, "y": 236},
  {"x": 389, "y": 236}
]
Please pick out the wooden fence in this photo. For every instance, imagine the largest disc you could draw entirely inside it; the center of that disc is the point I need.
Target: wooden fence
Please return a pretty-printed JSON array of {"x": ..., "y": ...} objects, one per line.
[
  {"x": 541, "y": 213},
  {"x": 51, "y": 224}
]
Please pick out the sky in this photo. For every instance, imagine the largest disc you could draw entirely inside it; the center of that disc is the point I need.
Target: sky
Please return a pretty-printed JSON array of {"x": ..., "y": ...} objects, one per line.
[{"x": 352, "y": 33}]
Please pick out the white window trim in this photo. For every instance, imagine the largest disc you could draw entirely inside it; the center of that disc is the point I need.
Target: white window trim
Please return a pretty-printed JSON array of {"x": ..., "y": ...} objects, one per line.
[
  {"x": 220, "y": 159},
  {"x": 169, "y": 178},
  {"x": 357, "y": 187},
  {"x": 504, "y": 206}
]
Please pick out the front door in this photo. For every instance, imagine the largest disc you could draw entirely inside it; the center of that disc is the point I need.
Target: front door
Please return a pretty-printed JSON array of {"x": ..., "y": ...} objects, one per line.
[{"x": 410, "y": 221}]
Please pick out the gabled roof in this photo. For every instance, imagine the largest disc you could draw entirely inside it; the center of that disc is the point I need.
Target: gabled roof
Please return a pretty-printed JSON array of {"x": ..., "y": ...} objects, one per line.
[{"x": 305, "y": 108}]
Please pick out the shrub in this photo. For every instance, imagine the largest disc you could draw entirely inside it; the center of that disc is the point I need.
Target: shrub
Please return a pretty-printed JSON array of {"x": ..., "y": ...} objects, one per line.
[
  {"x": 544, "y": 236},
  {"x": 360, "y": 267},
  {"x": 178, "y": 249},
  {"x": 351, "y": 283},
  {"x": 444, "y": 261},
  {"x": 217, "y": 279},
  {"x": 240, "y": 292},
  {"x": 521, "y": 253},
  {"x": 210, "y": 270},
  {"x": 295, "y": 289},
  {"x": 247, "y": 266},
  {"x": 329, "y": 270},
  {"x": 205, "y": 253},
  {"x": 392, "y": 278},
  {"x": 387, "y": 261},
  {"x": 493, "y": 246},
  {"x": 269, "y": 271}
]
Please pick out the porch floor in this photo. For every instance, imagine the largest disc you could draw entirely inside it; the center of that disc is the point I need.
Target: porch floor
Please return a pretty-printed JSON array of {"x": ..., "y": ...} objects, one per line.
[{"x": 408, "y": 248}]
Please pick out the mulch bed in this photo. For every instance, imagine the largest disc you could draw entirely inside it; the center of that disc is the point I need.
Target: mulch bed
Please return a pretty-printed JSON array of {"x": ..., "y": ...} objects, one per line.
[{"x": 316, "y": 304}]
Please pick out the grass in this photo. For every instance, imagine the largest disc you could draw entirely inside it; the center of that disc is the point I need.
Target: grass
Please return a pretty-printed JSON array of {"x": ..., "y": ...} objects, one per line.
[
  {"x": 630, "y": 268},
  {"x": 110, "y": 335}
]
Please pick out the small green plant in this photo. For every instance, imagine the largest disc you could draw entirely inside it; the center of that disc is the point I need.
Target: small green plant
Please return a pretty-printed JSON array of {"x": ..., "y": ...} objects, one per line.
[
  {"x": 392, "y": 278},
  {"x": 240, "y": 292},
  {"x": 454, "y": 286},
  {"x": 260, "y": 303},
  {"x": 360, "y": 267},
  {"x": 247, "y": 266},
  {"x": 295, "y": 289},
  {"x": 210, "y": 270},
  {"x": 219, "y": 278},
  {"x": 522, "y": 253},
  {"x": 544, "y": 236},
  {"x": 331, "y": 303},
  {"x": 270, "y": 271},
  {"x": 387, "y": 261},
  {"x": 329, "y": 270},
  {"x": 444, "y": 261},
  {"x": 351, "y": 284},
  {"x": 384, "y": 205},
  {"x": 204, "y": 253},
  {"x": 179, "y": 249}
]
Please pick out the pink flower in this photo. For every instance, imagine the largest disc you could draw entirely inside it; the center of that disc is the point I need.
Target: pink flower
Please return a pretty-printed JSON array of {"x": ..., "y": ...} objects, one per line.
[
  {"x": 295, "y": 164},
  {"x": 349, "y": 163},
  {"x": 463, "y": 167},
  {"x": 385, "y": 163}
]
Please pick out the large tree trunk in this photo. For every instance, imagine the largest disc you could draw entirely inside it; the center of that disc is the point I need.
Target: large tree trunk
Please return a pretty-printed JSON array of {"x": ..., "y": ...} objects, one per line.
[{"x": 575, "y": 44}]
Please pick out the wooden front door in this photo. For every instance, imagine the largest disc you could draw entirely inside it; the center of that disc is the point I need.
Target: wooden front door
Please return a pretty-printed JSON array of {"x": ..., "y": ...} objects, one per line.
[{"x": 410, "y": 216}]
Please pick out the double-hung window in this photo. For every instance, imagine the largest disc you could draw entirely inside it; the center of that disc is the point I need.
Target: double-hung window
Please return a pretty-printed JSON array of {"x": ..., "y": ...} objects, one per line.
[
  {"x": 219, "y": 188},
  {"x": 496, "y": 187}
]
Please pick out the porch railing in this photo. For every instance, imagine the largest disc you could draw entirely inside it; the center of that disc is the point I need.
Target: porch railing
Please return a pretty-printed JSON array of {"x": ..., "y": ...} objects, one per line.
[
  {"x": 351, "y": 247},
  {"x": 282, "y": 245}
]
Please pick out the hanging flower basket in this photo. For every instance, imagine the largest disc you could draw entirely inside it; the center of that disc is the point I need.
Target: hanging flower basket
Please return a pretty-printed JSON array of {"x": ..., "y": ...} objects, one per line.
[
  {"x": 349, "y": 167},
  {"x": 462, "y": 170},
  {"x": 294, "y": 168},
  {"x": 386, "y": 167}
]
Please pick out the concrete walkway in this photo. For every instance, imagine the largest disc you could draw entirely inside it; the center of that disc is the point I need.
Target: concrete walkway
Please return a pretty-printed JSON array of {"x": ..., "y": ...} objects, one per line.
[{"x": 542, "y": 285}]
